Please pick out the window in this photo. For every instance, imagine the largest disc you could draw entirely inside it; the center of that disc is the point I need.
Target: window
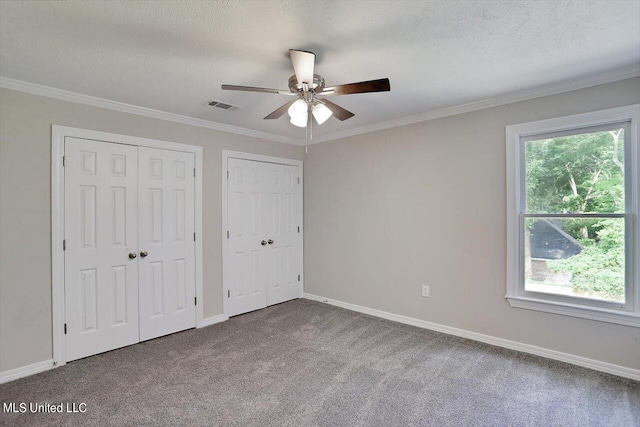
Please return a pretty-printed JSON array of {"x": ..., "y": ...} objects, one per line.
[{"x": 573, "y": 232}]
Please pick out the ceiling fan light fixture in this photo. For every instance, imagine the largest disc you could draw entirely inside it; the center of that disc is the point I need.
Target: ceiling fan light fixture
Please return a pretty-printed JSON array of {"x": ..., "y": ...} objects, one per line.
[
  {"x": 300, "y": 121},
  {"x": 321, "y": 113},
  {"x": 306, "y": 89},
  {"x": 298, "y": 113}
]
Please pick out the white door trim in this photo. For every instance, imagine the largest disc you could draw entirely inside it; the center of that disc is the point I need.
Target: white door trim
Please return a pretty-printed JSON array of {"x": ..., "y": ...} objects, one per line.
[
  {"x": 226, "y": 154},
  {"x": 58, "y": 135}
]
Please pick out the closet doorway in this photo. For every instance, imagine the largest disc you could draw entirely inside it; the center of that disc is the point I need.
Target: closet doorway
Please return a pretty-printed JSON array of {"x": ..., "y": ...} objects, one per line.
[
  {"x": 126, "y": 214},
  {"x": 262, "y": 231}
]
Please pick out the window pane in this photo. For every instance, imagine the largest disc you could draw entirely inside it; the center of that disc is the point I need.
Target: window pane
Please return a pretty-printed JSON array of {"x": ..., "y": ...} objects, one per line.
[
  {"x": 581, "y": 257},
  {"x": 576, "y": 174}
]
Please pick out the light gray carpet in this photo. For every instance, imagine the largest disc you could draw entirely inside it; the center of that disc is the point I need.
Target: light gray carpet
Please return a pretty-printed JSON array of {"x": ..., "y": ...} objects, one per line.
[{"x": 304, "y": 363}]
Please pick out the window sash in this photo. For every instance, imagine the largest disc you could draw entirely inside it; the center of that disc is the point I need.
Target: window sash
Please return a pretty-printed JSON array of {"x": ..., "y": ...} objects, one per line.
[
  {"x": 627, "y": 305},
  {"x": 580, "y": 130}
]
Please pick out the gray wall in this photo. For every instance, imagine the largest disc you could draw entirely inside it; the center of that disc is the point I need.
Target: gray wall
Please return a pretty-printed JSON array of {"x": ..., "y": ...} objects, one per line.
[
  {"x": 25, "y": 231},
  {"x": 425, "y": 204},
  {"x": 384, "y": 213}
]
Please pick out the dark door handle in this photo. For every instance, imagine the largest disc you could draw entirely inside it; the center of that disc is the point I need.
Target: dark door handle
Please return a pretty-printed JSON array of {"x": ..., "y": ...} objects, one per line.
[
  {"x": 270, "y": 242},
  {"x": 132, "y": 255},
  {"x": 264, "y": 242},
  {"x": 144, "y": 253}
]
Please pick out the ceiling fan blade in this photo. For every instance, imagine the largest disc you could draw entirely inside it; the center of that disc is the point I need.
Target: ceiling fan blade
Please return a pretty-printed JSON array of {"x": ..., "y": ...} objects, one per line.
[
  {"x": 258, "y": 89},
  {"x": 380, "y": 85},
  {"x": 303, "y": 65},
  {"x": 338, "y": 112},
  {"x": 280, "y": 111}
]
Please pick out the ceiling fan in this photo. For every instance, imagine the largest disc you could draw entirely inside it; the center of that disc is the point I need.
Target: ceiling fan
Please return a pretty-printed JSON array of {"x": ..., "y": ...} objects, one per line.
[{"x": 306, "y": 89}]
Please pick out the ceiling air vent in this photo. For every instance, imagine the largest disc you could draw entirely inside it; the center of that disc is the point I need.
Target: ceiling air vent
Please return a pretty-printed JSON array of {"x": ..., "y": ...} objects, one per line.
[{"x": 223, "y": 105}]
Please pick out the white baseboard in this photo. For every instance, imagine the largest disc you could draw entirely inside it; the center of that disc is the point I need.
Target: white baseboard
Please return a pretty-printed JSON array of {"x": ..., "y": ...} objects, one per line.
[
  {"x": 208, "y": 321},
  {"x": 596, "y": 365},
  {"x": 25, "y": 371},
  {"x": 45, "y": 365}
]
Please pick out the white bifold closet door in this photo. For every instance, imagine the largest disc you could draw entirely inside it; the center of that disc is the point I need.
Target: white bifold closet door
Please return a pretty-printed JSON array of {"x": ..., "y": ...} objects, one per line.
[
  {"x": 129, "y": 245},
  {"x": 263, "y": 258}
]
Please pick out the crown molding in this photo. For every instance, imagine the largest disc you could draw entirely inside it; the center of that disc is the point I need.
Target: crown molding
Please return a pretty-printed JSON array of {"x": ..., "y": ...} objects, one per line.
[
  {"x": 553, "y": 89},
  {"x": 63, "y": 95}
]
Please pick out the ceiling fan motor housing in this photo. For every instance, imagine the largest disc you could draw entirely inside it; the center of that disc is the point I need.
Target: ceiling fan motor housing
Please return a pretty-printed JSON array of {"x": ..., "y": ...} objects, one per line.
[{"x": 317, "y": 86}]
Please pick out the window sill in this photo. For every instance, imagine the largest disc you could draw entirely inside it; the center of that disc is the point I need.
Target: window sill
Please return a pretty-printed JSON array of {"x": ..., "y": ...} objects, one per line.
[{"x": 603, "y": 315}]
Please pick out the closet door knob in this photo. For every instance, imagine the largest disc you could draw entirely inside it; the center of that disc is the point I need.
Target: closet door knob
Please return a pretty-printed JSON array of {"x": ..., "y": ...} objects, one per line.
[
  {"x": 132, "y": 255},
  {"x": 264, "y": 242},
  {"x": 144, "y": 253},
  {"x": 270, "y": 242}
]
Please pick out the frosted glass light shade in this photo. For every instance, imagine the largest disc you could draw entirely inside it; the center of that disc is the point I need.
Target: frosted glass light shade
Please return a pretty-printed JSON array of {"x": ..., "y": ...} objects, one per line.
[
  {"x": 298, "y": 108},
  {"x": 300, "y": 121},
  {"x": 321, "y": 113},
  {"x": 298, "y": 113}
]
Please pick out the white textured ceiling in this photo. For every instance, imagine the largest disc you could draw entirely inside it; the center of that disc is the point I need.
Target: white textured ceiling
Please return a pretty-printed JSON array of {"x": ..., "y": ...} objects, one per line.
[{"x": 173, "y": 56}]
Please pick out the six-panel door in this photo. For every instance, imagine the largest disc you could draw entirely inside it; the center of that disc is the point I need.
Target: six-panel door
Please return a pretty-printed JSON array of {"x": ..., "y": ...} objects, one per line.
[
  {"x": 263, "y": 257},
  {"x": 283, "y": 254},
  {"x": 101, "y": 230},
  {"x": 245, "y": 267},
  {"x": 167, "y": 251}
]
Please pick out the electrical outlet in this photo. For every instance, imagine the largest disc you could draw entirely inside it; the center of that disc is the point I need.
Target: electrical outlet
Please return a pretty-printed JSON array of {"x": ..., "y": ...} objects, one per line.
[{"x": 425, "y": 291}]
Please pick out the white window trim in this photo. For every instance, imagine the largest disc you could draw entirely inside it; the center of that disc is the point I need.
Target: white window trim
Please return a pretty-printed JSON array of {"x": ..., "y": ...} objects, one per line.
[{"x": 517, "y": 297}]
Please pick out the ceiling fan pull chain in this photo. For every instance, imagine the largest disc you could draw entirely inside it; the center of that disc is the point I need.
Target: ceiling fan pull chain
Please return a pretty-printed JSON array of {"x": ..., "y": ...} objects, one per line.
[{"x": 309, "y": 129}]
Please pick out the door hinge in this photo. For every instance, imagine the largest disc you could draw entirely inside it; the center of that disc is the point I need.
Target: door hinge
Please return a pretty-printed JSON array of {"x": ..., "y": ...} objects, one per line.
[
  {"x": 227, "y": 234},
  {"x": 64, "y": 245},
  {"x": 298, "y": 229},
  {"x": 194, "y": 171},
  {"x": 298, "y": 180},
  {"x": 194, "y": 237},
  {"x": 64, "y": 161},
  {"x": 298, "y": 277},
  {"x": 65, "y": 329},
  {"x": 228, "y": 293},
  {"x": 195, "y": 300},
  {"x": 227, "y": 174}
]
